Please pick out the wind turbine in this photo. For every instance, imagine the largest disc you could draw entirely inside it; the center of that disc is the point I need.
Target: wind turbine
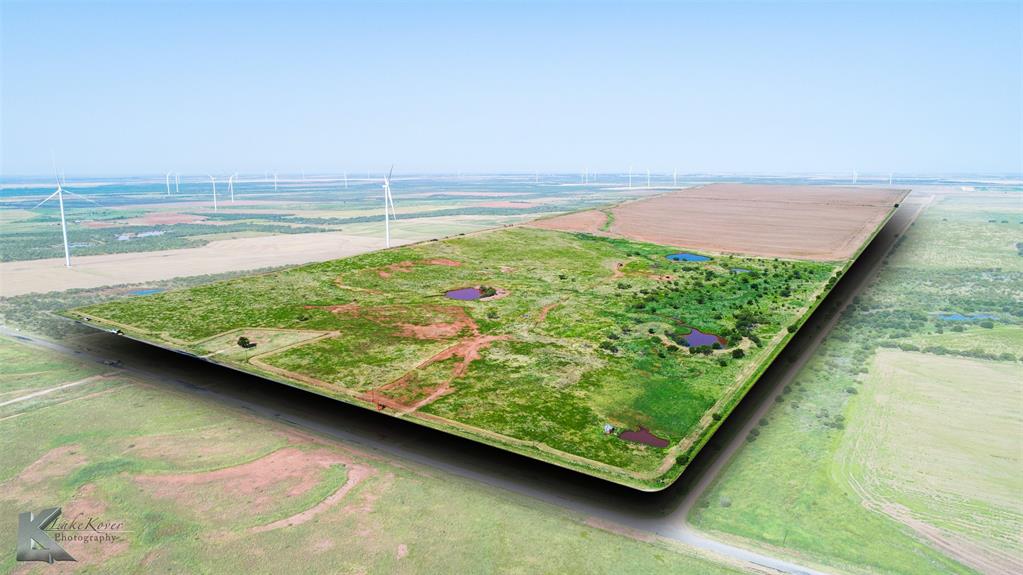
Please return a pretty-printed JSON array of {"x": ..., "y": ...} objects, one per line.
[
  {"x": 214, "y": 182},
  {"x": 388, "y": 207},
  {"x": 167, "y": 181},
  {"x": 630, "y": 177},
  {"x": 674, "y": 177},
  {"x": 346, "y": 180},
  {"x": 648, "y": 178},
  {"x": 275, "y": 182},
  {"x": 891, "y": 178},
  {"x": 855, "y": 176},
  {"x": 176, "y": 183},
  {"x": 63, "y": 221}
]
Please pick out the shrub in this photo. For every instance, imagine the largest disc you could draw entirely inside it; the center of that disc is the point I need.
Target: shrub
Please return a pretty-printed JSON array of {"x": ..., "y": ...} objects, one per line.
[
  {"x": 987, "y": 324},
  {"x": 738, "y": 353},
  {"x": 245, "y": 343}
]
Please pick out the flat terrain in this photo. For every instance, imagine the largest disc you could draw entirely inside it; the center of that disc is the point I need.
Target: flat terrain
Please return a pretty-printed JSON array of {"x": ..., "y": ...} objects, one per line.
[
  {"x": 594, "y": 353},
  {"x": 935, "y": 443},
  {"x": 896, "y": 448},
  {"x": 21, "y": 277},
  {"x": 133, "y": 231},
  {"x": 192, "y": 479},
  {"x": 806, "y": 222}
]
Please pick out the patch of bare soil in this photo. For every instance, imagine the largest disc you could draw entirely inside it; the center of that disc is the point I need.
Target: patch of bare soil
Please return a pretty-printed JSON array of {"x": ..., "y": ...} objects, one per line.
[
  {"x": 257, "y": 482},
  {"x": 803, "y": 222},
  {"x": 468, "y": 350},
  {"x": 356, "y": 473},
  {"x": 985, "y": 560},
  {"x": 444, "y": 262},
  {"x": 589, "y": 221},
  {"x": 616, "y": 271},
  {"x": 546, "y": 310},
  {"x": 57, "y": 462},
  {"x": 407, "y": 266}
]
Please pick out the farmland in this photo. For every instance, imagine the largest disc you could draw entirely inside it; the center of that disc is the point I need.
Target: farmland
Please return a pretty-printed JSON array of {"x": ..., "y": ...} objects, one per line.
[
  {"x": 190, "y": 478},
  {"x": 576, "y": 338},
  {"x": 132, "y": 230},
  {"x": 893, "y": 448}
]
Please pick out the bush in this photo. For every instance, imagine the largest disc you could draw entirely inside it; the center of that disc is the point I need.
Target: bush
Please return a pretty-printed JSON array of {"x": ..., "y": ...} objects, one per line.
[
  {"x": 738, "y": 353},
  {"x": 245, "y": 343},
  {"x": 792, "y": 328},
  {"x": 987, "y": 324}
]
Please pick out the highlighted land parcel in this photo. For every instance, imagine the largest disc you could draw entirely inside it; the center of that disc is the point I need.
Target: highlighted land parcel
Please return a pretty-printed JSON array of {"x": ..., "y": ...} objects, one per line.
[{"x": 584, "y": 341}]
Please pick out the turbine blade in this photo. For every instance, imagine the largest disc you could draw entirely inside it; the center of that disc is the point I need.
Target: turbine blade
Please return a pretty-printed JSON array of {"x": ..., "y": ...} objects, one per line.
[
  {"x": 80, "y": 196},
  {"x": 50, "y": 197}
]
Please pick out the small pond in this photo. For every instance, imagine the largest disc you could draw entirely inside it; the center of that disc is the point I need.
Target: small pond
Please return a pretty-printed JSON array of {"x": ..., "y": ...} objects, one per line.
[
  {"x": 643, "y": 435},
  {"x": 696, "y": 338},
  {"x": 687, "y": 257},
  {"x": 146, "y": 291},
  {"x": 464, "y": 294}
]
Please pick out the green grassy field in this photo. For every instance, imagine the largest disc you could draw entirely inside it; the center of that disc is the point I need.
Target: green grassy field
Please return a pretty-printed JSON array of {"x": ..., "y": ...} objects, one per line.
[
  {"x": 193, "y": 482},
  {"x": 583, "y": 331},
  {"x": 935, "y": 442},
  {"x": 879, "y": 460}
]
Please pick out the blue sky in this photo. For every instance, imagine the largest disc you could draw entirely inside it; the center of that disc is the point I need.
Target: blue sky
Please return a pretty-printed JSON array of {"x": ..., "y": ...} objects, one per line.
[{"x": 146, "y": 87}]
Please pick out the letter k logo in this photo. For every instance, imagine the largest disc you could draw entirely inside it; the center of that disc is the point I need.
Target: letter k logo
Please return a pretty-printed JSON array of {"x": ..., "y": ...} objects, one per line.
[{"x": 34, "y": 544}]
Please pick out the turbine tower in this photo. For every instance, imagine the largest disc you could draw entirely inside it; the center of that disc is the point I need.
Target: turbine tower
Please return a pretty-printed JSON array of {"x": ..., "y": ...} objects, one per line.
[
  {"x": 674, "y": 177},
  {"x": 176, "y": 182},
  {"x": 63, "y": 221},
  {"x": 167, "y": 181},
  {"x": 388, "y": 208},
  {"x": 230, "y": 186},
  {"x": 275, "y": 182},
  {"x": 630, "y": 177},
  {"x": 891, "y": 178},
  {"x": 214, "y": 182},
  {"x": 648, "y": 178},
  {"x": 855, "y": 176},
  {"x": 346, "y": 180}
]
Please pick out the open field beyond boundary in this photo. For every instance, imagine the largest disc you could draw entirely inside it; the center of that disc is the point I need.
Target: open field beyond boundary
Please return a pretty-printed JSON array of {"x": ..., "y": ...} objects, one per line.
[
  {"x": 805, "y": 222},
  {"x": 21, "y": 277},
  {"x": 598, "y": 354}
]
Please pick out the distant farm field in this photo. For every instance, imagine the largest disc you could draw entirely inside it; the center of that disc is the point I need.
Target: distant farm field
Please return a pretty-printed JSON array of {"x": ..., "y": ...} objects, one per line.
[
  {"x": 604, "y": 354},
  {"x": 934, "y": 443}
]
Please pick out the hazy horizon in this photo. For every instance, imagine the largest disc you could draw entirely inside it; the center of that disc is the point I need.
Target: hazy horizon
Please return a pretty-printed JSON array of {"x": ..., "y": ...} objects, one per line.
[{"x": 113, "y": 89}]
